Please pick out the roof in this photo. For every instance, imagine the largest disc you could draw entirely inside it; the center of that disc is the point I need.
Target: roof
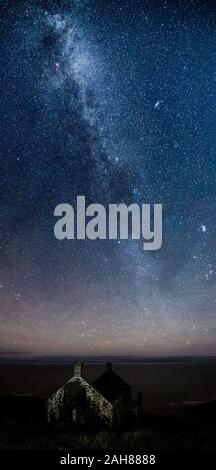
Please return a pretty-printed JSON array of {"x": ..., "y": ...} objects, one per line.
[{"x": 111, "y": 386}]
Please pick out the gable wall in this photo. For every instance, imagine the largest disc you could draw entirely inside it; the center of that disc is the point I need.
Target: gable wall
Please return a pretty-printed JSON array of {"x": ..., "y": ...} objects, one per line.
[{"x": 102, "y": 407}]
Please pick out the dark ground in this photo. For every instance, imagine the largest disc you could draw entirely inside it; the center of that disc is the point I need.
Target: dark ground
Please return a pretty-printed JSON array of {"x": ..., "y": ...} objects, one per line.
[{"x": 179, "y": 404}]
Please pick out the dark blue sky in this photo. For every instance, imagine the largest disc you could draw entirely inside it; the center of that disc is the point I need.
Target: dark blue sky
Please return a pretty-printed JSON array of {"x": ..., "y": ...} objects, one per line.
[{"x": 115, "y": 101}]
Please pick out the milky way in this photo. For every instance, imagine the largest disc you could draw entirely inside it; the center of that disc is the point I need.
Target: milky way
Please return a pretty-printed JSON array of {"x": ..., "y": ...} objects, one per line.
[{"x": 115, "y": 101}]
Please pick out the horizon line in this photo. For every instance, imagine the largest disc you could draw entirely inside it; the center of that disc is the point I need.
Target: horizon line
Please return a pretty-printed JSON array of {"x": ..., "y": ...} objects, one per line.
[{"x": 66, "y": 359}]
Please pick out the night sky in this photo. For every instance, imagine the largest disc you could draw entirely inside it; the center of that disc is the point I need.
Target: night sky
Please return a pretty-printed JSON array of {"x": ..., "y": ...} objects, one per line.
[{"x": 114, "y": 100}]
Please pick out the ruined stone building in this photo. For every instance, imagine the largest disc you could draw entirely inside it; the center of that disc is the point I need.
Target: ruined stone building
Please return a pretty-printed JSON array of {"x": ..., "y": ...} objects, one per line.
[{"x": 108, "y": 400}]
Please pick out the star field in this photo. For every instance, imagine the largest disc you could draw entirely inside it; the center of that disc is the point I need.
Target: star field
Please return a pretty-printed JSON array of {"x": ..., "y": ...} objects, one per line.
[{"x": 115, "y": 101}]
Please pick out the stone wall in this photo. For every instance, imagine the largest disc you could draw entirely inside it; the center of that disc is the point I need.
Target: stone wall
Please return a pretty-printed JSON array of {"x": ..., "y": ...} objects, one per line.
[
  {"x": 102, "y": 407},
  {"x": 55, "y": 405}
]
